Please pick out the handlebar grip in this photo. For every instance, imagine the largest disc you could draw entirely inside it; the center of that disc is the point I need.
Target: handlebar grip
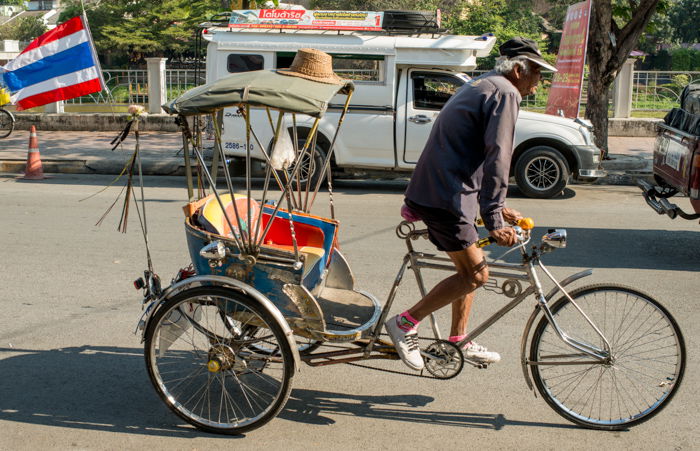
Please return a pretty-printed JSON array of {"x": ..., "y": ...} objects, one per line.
[
  {"x": 524, "y": 223},
  {"x": 485, "y": 241}
]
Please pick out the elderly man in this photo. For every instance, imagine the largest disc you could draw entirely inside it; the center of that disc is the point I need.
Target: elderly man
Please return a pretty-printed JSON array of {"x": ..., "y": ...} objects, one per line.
[{"x": 462, "y": 172}]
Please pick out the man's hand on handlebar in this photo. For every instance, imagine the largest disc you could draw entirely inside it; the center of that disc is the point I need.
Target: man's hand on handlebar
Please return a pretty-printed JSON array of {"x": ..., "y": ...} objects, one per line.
[
  {"x": 511, "y": 216},
  {"x": 505, "y": 236}
]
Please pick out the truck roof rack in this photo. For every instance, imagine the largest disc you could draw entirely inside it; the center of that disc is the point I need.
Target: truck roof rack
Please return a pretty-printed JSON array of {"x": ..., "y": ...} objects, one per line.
[{"x": 395, "y": 22}]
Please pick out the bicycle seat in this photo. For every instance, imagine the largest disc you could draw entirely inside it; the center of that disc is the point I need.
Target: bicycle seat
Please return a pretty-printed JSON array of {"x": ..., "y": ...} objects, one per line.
[{"x": 408, "y": 214}]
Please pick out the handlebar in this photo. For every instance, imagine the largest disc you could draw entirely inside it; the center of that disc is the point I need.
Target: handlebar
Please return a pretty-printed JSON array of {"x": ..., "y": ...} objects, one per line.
[{"x": 523, "y": 224}]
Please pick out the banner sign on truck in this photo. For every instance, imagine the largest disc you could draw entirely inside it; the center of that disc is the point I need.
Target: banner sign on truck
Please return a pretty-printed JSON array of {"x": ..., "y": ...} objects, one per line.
[
  {"x": 565, "y": 92},
  {"x": 307, "y": 20}
]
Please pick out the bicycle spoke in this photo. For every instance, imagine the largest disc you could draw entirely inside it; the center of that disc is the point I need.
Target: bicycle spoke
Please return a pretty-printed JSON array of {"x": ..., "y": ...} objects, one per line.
[
  {"x": 646, "y": 358},
  {"x": 220, "y": 364}
]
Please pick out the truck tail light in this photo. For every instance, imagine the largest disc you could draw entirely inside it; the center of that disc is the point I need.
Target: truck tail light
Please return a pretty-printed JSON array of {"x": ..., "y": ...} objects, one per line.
[{"x": 695, "y": 178}]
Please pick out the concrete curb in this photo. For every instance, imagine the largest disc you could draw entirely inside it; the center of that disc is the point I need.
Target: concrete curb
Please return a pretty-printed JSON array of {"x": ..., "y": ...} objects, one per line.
[
  {"x": 622, "y": 171},
  {"x": 637, "y": 127},
  {"x": 92, "y": 122}
]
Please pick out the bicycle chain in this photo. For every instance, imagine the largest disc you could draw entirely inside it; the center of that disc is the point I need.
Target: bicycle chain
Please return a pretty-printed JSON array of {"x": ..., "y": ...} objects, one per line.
[{"x": 385, "y": 370}]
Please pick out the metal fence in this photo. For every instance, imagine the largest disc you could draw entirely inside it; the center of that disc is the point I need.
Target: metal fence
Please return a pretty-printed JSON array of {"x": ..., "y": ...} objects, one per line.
[
  {"x": 129, "y": 86},
  {"x": 652, "y": 91},
  {"x": 659, "y": 91}
]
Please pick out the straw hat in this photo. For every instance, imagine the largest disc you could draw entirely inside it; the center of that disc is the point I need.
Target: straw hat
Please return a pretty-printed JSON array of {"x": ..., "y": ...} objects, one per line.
[{"x": 313, "y": 65}]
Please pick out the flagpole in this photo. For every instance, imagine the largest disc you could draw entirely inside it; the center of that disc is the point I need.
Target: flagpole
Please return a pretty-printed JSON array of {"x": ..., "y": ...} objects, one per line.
[{"x": 92, "y": 47}]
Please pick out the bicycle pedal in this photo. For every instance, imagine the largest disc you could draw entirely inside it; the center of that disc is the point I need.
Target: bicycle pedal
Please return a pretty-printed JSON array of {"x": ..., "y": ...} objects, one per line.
[{"x": 480, "y": 365}]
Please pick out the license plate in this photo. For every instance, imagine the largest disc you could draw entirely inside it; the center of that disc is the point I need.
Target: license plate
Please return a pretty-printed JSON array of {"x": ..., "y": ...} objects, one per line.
[{"x": 674, "y": 153}]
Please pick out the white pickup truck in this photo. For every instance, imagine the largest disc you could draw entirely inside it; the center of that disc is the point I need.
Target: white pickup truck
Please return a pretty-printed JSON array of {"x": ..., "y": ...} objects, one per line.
[{"x": 402, "y": 81}]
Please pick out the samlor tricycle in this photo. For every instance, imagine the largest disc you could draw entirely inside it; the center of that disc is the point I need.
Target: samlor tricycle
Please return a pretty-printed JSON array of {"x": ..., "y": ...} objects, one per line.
[{"x": 268, "y": 288}]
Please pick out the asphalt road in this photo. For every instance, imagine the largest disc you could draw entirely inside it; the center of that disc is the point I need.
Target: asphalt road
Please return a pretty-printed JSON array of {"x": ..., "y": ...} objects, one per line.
[{"x": 72, "y": 374}]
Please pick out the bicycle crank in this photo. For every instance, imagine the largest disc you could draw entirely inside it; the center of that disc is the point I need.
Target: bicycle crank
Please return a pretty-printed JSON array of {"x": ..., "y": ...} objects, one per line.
[{"x": 443, "y": 359}]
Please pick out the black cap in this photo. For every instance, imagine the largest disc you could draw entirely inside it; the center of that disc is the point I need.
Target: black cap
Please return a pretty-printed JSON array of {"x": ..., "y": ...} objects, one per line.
[{"x": 526, "y": 48}]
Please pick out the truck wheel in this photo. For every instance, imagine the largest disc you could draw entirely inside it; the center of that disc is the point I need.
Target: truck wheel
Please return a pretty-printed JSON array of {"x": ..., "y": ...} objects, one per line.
[
  {"x": 541, "y": 172},
  {"x": 311, "y": 168}
]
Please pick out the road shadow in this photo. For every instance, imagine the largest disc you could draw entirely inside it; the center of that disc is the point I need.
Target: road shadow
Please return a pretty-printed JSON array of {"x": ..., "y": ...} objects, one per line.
[
  {"x": 653, "y": 249},
  {"x": 515, "y": 193},
  {"x": 99, "y": 388},
  {"x": 105, "y": 388},
  {"x": 314, "y": 406}
]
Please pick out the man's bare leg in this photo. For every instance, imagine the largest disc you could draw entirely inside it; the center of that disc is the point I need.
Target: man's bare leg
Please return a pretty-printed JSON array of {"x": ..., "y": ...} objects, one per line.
[
  {"x": 458, "y": 289},
  {"x": 472, "y": 272},
  {"x": 461, "y": 308}
]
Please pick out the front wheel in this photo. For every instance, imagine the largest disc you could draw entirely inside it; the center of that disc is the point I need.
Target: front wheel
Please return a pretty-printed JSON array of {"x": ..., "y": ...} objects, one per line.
[
  {"x": 641, "y": 374},
  {"x": 206, "y": 363},
  {"x": 541, "y": 172},
  {"x": 7, "y": 123}
]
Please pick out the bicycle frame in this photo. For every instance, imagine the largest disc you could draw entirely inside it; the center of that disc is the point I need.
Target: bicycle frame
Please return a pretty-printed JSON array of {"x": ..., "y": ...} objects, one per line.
[{"x": 511, "y": 275}]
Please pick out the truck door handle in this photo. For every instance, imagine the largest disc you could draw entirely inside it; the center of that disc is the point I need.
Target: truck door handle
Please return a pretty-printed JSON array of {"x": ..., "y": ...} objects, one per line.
[{"x": 420, "y": 119}]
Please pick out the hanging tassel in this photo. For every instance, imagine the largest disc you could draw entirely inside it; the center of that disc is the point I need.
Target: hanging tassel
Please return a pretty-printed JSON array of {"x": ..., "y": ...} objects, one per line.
[{"x": 116, "y": 142}]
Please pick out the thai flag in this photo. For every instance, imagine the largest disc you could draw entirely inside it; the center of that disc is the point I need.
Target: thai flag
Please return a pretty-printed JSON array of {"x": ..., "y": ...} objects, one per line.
[{"x": 58, "y": 65}]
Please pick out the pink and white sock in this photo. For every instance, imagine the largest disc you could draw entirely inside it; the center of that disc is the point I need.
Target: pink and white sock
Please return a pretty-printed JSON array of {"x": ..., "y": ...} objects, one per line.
[
  {"x": 406, "y": 322},
  {"x": 458, "y": 338}
]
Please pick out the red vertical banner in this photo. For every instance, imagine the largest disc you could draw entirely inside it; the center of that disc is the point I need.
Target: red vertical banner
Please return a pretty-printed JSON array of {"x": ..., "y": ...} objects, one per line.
[{"x": 565, "y": 92}]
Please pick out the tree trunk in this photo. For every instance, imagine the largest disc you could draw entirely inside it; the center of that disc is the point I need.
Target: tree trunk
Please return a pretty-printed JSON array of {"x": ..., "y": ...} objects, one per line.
[
  {"x": 597, "y": 110},
  {"x": 608, "y": 49}
]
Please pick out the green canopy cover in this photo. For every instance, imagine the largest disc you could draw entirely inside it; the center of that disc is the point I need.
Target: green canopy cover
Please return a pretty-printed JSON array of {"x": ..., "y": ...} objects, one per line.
[{"x": 266, "y": 88}]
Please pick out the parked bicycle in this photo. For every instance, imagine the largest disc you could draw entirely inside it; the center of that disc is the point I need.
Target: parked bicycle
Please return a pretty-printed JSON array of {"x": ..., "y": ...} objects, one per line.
[
  {"x": 7, "y": 123},
  {"x": 7, "y": 120}
]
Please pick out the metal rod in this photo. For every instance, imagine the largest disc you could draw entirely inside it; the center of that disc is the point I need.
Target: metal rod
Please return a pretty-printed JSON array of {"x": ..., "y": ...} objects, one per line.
[
  {"x": 546, "y": 307},
  {"x": 265, "y": 154},
  {"x": 312, "y": 153},
  {"x": 327, "y": 162},
  {"x": 188, "y": 163},
  {"x": 307, "y": 143},
  {"x": 143, "y": 197},
  {"x": 247, "y": 169},
  {"x": 353, "y": 359},
  {"x": 215, "y": 157},
  {"x": 295, "y": 142},
  {"x": 495, "y": 317},
  {"x": 421, "y": 288},
  {"x": 240, "y": 242},
  {"x": 229, "y": 184},
  {"x": 387, "y": 305}
]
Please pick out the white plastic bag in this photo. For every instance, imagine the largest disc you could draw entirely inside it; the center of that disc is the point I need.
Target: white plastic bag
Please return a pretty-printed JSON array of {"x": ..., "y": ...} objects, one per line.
[{"x": 283, "y": 152}]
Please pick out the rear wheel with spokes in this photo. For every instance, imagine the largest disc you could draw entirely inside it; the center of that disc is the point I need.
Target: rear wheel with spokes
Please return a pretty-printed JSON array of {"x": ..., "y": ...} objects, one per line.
[
  {"x": 207, "y": 366},
  {"x": 638, "y": 378},
  {"x": 7, "y": 123}
]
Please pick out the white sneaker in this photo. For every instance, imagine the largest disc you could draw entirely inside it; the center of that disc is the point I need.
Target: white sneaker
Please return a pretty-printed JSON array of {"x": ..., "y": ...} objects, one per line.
[
  {"x": 475, "y": 352},
  {"x": 406, "y": 344}
]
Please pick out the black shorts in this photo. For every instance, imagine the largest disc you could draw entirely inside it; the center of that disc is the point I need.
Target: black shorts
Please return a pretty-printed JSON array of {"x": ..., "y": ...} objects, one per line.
[{"x": 447, "y": 231}]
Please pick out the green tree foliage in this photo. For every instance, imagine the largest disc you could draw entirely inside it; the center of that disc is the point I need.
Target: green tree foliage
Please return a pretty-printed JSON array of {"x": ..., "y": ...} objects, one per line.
[
  {"x": 685, "y": 59},
  {"x": 23, "y": 29},
  {"x": 143, "y": 28},
  {"x": 504, "y": 18},
  {"x": 615, "y": 30},
  {"x": 683, "y": 17}
]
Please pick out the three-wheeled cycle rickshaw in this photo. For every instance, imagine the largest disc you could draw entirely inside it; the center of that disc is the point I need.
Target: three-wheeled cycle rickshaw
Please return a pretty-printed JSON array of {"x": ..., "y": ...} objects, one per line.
[{"x": 268, "y": 287}]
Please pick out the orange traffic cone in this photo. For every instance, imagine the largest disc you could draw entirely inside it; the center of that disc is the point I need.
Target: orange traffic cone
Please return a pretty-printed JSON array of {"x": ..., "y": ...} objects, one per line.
[{"x": 34, "y": 170}]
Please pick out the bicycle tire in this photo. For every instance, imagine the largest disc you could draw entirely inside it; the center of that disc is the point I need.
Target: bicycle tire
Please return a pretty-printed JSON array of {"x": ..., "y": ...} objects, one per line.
[
  {"x": 648, "y": 350},
  {"x": 207, "y": 371},
  {"x": 7, "y": 123}
]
